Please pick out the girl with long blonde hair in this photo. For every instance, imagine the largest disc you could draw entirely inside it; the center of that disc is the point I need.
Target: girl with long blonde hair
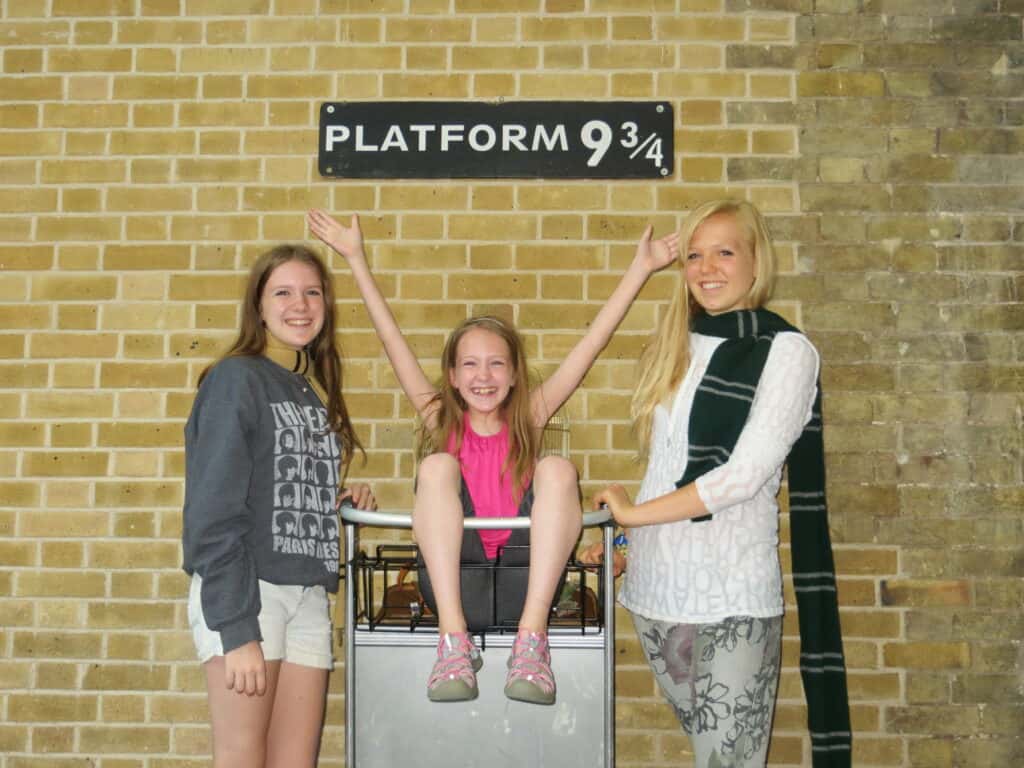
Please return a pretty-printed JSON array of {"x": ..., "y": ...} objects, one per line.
[{"x": 727, "y": 395}]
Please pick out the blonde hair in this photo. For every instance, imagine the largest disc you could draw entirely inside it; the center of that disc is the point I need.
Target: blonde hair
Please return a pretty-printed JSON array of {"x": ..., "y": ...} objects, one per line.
[
  {"x": 667, "y": 355},
  {"x": 523, "y": 438},
  {"x": 323, "y": 351}
]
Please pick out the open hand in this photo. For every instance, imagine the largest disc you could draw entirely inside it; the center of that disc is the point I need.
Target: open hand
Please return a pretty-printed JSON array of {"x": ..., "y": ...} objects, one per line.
[
  {"x": 348, "y": 241},
  {"x": 657, "y": 254}
]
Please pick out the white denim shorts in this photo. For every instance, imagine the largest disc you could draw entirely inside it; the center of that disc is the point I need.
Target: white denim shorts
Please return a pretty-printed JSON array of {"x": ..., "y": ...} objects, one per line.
[{"x": 295, "y": 623}]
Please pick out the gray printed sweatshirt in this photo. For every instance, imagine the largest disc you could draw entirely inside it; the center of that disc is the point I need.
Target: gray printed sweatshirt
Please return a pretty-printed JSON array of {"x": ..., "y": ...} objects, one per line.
[{"x": 261, "y": 478}]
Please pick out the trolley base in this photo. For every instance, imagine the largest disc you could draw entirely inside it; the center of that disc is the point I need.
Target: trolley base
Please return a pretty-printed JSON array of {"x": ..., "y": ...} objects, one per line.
[{"x": 397, "y": 725}]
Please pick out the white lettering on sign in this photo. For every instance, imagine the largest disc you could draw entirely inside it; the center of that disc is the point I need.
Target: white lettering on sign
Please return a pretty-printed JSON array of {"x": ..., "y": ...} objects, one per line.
[{"x": 444, "y": 137}]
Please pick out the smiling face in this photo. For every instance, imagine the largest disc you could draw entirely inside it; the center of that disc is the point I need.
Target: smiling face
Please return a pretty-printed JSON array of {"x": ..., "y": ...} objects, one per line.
[
  {"x": 720, "y": 265},
  {"x": 292, "y": 304},
  {"x": 483, "y": 373}
]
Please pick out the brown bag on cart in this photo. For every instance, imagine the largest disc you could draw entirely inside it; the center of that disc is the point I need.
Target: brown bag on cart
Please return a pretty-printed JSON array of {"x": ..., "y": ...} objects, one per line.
[{"x": 402, "y": 600}]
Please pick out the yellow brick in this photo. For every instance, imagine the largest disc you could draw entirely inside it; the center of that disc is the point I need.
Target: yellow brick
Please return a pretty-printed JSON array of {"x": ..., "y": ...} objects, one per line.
[
  {"x": 480, "y": 257},
  {"x": 143, "y": 375},
  {"x": 138, "y": 464},
  {"x": 169, "y": 31},
  {"x": 87, "y": 87},
  {"x": 71, "y": 435},
  {"x": 150, "y": 171},
  {"x": 18, "y": 375},
  {"x": 78, "y": 228},
  {"x": 19, "y": 115},
  {"x": 52, "y": 345},
  {"x": 12, "y": 346},
  {"x": 26, "y": 257},
  {"x": 568, "y": 227},
  {"x": 105, "y": 739},
  {"x": 121, "y": 709},
  {"x": 45, "y": 707},
  {"x": 135, "y": 524},
  {"x": 63, "y": 554},
  {"x": 21, "y": 434},
  {"x": 564, "y": 197},
  {"x": 28, "y": 200},
  {"x": 22, "y": 316},
  {"x": 152, "y": 60},
  {"x": 65, "y": 464},
  {"x": 141, "y": 199},
  {"x": 772, "y": 142},
  {"x": 220, "y": 227},
  {"x": 701, "y": 85},
  {"x": 134, "y": 555},
  {"x": 31, "y": 88},
  {"x": 771, "y": 86},
  {"x": 694, "y": 27},
  {"x": 152, "y": 116},
  {"x": 564, "y": 258},
  {"x": 633, "y": 85},
  {"x": 162, "y": 142},
  {"x": 65, "y": 583},
  {"x": 125, "y": 645},
  {"x": 74, "y": 375},
  {"x": 397, "y": 86},
  {"x": 83, "y": 172},
  {"x": 77, "y": 316},
  {"x": 223, "y": 59},
  {"x": 78, "y": 288},
  {"x": 134, "y": 616},
  {"x": 482, "y": 227},
  {"x": 554, "y": 86},
  {"x": 78, "y": 257},
  {"x": 770, "y": 29},
  {"x": 105, "y": 59},
  {"x": 715, "y": 140},
  {"x": 35, "y": 142},
  {"x": 67, "y": 494},
  {"x": 476, "y": 287},
  {"x": 143, "y": 287},
  {"x": 148, "y": 346},
  {"x": 142, "y": 87},
  {"x": 81, "y": 201}
]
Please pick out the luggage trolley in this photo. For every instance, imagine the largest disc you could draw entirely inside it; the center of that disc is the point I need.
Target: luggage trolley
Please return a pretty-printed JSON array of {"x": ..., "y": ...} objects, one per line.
[{"x": 389, "y": 720}]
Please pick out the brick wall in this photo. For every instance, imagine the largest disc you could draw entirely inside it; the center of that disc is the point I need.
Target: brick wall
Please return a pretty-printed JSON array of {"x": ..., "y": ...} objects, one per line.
[{"x": 149, "y": 149}]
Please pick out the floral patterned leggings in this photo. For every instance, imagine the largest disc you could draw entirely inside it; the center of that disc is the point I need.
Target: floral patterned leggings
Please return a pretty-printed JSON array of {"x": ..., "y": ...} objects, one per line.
[{"x": 721, "y": 680}]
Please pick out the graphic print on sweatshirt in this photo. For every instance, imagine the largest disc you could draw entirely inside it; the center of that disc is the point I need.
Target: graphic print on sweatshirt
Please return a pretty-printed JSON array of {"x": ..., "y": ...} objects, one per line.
[{"x": 305, "y": 483}]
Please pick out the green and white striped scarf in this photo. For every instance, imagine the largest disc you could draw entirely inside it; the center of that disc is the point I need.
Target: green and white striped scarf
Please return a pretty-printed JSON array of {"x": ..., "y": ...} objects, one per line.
[{"x": 720, "y": 409}]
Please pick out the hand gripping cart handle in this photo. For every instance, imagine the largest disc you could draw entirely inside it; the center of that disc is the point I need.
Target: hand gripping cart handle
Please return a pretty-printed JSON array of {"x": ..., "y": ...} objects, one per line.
[{"x": 389, "y": 721}]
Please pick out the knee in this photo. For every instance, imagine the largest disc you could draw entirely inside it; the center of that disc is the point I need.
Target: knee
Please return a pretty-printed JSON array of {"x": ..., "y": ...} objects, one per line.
[
  {"x": 437, "y": 469},
  {"x": 557, "y": 473}
]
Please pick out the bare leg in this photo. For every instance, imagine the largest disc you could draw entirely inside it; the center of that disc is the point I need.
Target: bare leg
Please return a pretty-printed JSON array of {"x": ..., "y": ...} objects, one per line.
[
  {"x": 556, "y": 521},
  {"x": 239, "y": 721},
  {"x": 294, "y": 737},
  {"x": 437, "y": 522}
]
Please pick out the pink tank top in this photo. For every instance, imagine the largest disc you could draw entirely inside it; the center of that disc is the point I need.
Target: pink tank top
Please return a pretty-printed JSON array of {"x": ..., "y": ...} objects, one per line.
[{"x": 482, "y": 458}]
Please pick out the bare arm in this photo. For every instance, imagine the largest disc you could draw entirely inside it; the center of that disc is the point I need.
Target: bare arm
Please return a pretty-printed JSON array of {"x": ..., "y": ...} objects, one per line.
[
  {"x": 650, "y": 257},
  {"x": 681, "y": 504},
  {"x": 348, "y": 241}
]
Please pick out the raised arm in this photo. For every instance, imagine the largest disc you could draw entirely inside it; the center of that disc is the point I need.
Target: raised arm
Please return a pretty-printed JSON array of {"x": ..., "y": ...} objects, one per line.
[
  {"x": 348, "y": 241},
  {"x": 651, "y": 255}
]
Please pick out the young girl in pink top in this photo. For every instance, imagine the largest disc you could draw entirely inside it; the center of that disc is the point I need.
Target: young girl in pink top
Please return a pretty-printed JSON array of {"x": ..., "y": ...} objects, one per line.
[{"x": 484, "y": 424}]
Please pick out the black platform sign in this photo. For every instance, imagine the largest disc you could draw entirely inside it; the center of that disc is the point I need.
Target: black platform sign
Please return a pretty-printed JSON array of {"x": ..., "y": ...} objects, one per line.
[{"x": 521, "y": 139}]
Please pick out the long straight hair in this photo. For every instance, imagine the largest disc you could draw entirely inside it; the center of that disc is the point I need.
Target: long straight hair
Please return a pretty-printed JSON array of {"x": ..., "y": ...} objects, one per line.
[
  {"x": 323, "y": 351},
  {"x": 523, "y": 437},
  {"x": 667, "y": 355}
]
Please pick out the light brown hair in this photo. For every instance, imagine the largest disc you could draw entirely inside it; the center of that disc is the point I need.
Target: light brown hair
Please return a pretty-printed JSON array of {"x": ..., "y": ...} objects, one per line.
[
  {"x": 523, "y": 437},
  {"x": 324, "y": 353}
]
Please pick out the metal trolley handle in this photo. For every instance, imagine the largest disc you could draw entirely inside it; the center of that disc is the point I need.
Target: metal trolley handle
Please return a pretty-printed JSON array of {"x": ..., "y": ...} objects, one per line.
[
  {"x": 353, "y": 518},
  {"x": 378, "y": 519}
]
